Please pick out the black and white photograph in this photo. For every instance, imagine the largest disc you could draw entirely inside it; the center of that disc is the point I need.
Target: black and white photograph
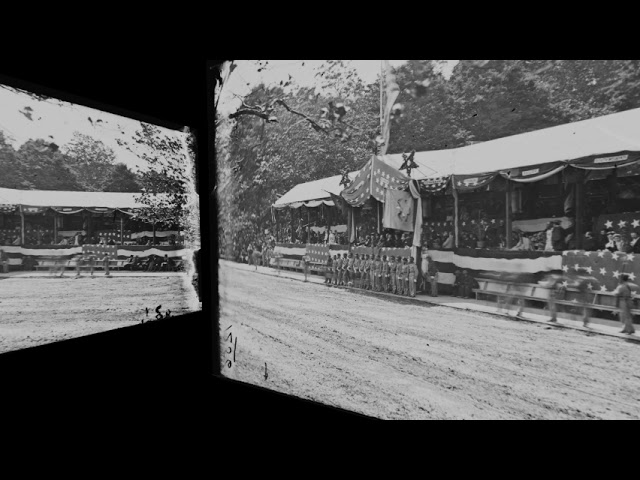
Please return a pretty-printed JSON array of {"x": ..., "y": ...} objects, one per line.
[
  {"x": 99, "y": 220},
  {"x": 399, "y": 239}
]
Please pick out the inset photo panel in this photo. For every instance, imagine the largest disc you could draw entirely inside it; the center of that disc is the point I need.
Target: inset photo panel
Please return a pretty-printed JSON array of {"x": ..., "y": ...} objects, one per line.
[
  {"x": 99, "y": 220},
  {"x": 431, "y": 239}
]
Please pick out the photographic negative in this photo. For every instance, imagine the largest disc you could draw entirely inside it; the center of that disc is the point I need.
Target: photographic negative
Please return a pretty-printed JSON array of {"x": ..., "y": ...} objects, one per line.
[{"x": 99, "y": 222}]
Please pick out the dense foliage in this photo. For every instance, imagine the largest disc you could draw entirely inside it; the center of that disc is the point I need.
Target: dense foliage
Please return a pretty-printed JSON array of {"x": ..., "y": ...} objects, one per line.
[{"x": 260, "y": 157}]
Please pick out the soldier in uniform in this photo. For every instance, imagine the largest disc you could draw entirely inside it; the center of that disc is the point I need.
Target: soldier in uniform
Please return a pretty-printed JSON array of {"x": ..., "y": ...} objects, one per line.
[
  {"x": 399, "y": 275},
  {"x": 412, "y": 277},
  {"x": 404, "y": 271},
  {"x": 432, "y": 274},
  {"x": 625, "y": 295},
  {"x": 336, "y": 269},
  {"x": 392, "y": 274},
  {"x": 356, "y": 267},
  {"x": 350, "y": 271},
  {"x": 327, "y": 271},
  {"x": 385, "y": 274},
  {"x": 343, "y": 267},
  {"x": 363, "y": 271}
]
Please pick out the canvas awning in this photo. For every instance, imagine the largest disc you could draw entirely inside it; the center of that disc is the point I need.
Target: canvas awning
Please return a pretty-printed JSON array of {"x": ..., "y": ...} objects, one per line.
[
  {"x": 73, "y": 200},
  {"x": 310, "y": 191}
]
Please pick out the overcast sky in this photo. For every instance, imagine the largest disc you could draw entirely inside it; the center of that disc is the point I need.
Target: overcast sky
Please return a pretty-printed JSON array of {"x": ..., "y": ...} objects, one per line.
[{"x": 56, "y": 123}]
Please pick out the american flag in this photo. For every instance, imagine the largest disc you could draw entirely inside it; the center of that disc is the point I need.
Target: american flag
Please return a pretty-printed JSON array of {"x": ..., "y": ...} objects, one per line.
[
  {"x": 317, "y": 253},
  {"x": 372, "y": 180},
  {"x": 622, "y": 222},
  {"x": 101, "y": 250},
  {"x": 433, "y": 185},
  {"x": 604, "y": 266}
]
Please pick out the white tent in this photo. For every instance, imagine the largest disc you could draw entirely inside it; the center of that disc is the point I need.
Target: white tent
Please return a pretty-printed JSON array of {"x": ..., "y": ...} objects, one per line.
[{"x": 54, "y": 198}]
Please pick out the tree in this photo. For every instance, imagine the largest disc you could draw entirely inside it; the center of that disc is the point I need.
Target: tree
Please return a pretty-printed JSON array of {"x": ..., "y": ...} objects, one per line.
[
  {"x": 10, "y": 166},
  {"x": 44, "y": 168},
  {"x": 91, "y": 161},
  {"x": 168, "y": 182},
  {"x": 121, "y": 179}
]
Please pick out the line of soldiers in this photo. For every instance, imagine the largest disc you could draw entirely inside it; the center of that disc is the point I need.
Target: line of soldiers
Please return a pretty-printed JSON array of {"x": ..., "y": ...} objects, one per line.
[{"x": 373, "y": 272}]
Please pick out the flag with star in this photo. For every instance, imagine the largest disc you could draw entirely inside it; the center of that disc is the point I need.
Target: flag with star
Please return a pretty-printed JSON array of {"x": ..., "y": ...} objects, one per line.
[
  {"x": 434, "y": 184},
  {"x": 605, "y": 266},
  {"x": 620, "y": 222},
  {"x": 359, "y": 191},
  {"x": 317, "y": 253},
  {"x": 384, "y": 176}
]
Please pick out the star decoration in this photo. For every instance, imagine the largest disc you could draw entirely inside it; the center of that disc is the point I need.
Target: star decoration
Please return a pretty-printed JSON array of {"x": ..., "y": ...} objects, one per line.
[
  {"x": 565, "y": 253},
  {"x": 614, "y": 255},
  {"x": 632, "y": 276},
  {"x": 603, "y": 271},
  {"x": 616, "y": 273},
  {"x": 565, "y": 284},
  {"x": 590, "y": 285},
  {"x": 575, "y": 300},
  {"x": 589, "y": 269},
  {"x": 603, "y": 288},
  {"x": 576, "y": 267},
  {"x": 630, "y": 256},
  {"x": 601, "y": 253},
  {"x": 575, "y": 252},
  {"x": 345, "y": 179},
  {"x": 493, "y": 220},
  {"x": 635, "y": 223},
  {"x": 408, "y": 164},
  {"x": 622, "y": 223},
  {"x": 565, "y": 268},
  {"x": 586, "y": 252},
  {"x": 459, "y": 183},
  {"x": 608, "y": 224}
]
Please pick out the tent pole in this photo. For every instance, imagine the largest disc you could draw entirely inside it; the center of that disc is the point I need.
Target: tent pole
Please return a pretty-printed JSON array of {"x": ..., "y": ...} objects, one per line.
[
  {"x": 455, "y": 216},
  {"x": 308, "y": 225},
  {"x": 55, "y": 228},
  {"x": 579, "y": 224},
  {"x": 121, "y": 229},
  {"x": 508, "y": 214},
  {"x": 21, "y": 225}
]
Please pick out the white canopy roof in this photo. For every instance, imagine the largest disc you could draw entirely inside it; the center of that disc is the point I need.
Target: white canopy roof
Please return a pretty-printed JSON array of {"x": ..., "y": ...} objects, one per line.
[
  {"x": 601, "y": 135},
  {"x": 315, "y": 190},
  {"x": 54, "y": 198}
]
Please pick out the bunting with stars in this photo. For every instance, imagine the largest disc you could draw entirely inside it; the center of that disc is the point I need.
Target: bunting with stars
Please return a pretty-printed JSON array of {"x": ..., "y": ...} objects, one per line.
[
  {"x": 620, "y": 222},
  {"x": 359, "y": 191},
  {"x": 384, "y": 176},
  {"x": 433, "y": 185},
  {"x": 605, "y": 266},
  {"x": 317, "y": 253},
  {"x": 372, "y": 180},
  {"x": 464, "y": 183}
]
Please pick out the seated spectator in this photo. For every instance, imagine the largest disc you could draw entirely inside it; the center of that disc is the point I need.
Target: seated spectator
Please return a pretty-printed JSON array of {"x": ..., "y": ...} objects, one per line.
[
  {"x": 524, "y": 243},
  {"x": 621, "y": 244},
  {"x": 449, "y": 241},
  {"x": 589, "y": 243},
  {"x": 611, "y": 244},
  {"x": 167, "y": 264}
]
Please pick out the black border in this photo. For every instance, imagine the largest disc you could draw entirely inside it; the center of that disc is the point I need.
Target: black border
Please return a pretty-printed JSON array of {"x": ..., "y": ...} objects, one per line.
[{"x": 161, "y": 371}]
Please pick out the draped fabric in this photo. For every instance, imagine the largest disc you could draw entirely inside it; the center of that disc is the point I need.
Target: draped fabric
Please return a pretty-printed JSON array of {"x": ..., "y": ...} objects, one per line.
[
  {"x": 604, "y": 266},
  {"x": 6, "y": 208},
  {"x": 104, "y": 210},
  {"x": 604, "y": 162},
  {"x": 358, "y": 192},
  {"x": 398, "y": 211},
  {"x": 317, "y": 253},
  {"x": 101, "y": 250},
  {"x": 27, "y": 210},
  {"x": 464, "y": 183},
  {"x": 385, "y": 177},
  {"x": 433, "y": 185},
  {"x": 533, "y": 173},
  {"x": 414, "y": 189},
  {"x": 67, "y": 210}
]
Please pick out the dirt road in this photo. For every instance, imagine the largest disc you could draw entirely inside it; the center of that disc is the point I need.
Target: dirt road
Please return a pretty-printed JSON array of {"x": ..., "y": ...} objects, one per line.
[
  {"x": 35, "y": 311},
  {"x": 393, "y": 360}
]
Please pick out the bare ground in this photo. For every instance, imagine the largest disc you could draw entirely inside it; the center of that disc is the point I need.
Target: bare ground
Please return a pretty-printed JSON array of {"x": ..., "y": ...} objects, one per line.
[
  {"x": 394, "y": 360},
  {"x": 36, "y": 311}
]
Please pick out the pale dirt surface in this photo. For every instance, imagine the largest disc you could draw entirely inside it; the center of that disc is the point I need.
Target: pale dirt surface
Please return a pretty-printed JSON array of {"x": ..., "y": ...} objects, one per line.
[
  {"x": 36, "y": 311},
  {"x": 390, "y": 359}
]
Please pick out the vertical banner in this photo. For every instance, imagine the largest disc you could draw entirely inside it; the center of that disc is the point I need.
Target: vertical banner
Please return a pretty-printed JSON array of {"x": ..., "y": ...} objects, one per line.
[
  {"x": 389, "y": 91},
  {"x": 417, "y": 231},
  {"x": 398, "y": 210}
]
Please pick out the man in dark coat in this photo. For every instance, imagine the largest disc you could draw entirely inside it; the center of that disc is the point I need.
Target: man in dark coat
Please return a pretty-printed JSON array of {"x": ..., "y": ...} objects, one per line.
[{"x": 557, "y": 237}]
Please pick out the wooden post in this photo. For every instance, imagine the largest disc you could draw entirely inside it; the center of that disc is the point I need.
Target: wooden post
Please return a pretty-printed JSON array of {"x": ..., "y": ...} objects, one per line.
[
  {"x": 455, "y": 215},
  {"x": 292, "y": 211},
  {"x": 308, "y": 225},
  {"x": 21, "y": 225},
  {"x": 579, "y": 225},
  {"x": 329, "y": 214},
  {"x": 508, "y": 212},
  {"x": 55, "y": 228},
  {"x": 121, "y": 229}
]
